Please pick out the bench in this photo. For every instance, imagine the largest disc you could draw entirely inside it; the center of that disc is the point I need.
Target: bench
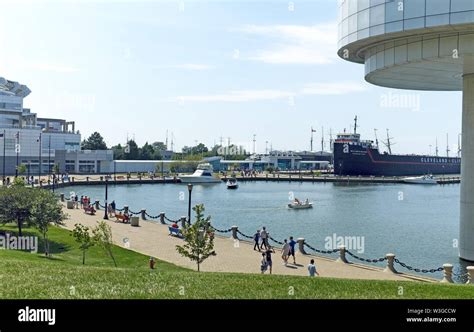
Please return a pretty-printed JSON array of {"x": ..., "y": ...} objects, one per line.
[
  {"x": 90, "y": 210},
  {"x": 175, "y": 231},
  {"x": 121, "y": 217}
]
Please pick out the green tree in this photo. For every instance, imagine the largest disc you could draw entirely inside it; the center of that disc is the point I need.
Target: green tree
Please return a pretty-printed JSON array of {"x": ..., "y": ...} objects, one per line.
[
  {"x": 131, "y": 151},
  {"x": 18, "y": 182},
  {"x": 22, "y": 169},
  {"x": 16, "y": 204},
  {"x": 83, "y": 236},
  {"x": 46, "y": 211},
  {"x": 147, "y": 152},
  {"x": 159, "y": 146},
  {"x": 94, "y": 142},
  {"x": 102, "y": 235},
  {"x": 199, "y": 241},
  {"x": 119, "y": 153}
]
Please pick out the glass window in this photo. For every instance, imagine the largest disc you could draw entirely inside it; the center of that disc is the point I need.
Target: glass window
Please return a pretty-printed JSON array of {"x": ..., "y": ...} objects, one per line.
[
  {"x": 393, "y": 11},
  {"x": 352, "y": 7},
  {"x": 377, "y": 30},
  {"x": 414, "y": 23},
  {"x": 461, "y": 5},
  {"x": 394, "y": 27},
  {"x": 363, "y": 19},
  {"x": 437, "y": 20},
  {"x": 389, "y": 57},
  {"x": 401, "y": 54},
  {"x": 465, "y": 17},
  {"x": 448, "y": 45},
  {"x": 434, "y": 7},
  {"x": 364, "y": 33},
  {"x": 414, "y": 8},
  {"x": 363, "y": 4},
  {"x": 376, "y": 2},
  {"x": 414, "y": 51},
  {"x": 353, "y": 24},
  {"x": 377, "y": 15}
]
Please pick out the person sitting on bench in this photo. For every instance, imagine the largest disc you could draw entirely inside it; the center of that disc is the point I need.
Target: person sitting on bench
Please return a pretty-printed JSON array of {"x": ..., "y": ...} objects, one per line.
[
  {"x": 89, "y": 209},
  {"x": 123, "y": 217}
]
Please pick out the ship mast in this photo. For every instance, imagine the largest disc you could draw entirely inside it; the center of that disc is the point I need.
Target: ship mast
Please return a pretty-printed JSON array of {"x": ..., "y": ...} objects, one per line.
[
  {"x": 376, "y": 139},
  {"x": 355, "y": 125},
  {"x": 330, "y": 140},
  {"x": 322, "y": 140},
  {"x": 447, "y": 145},
  {"x": 389, "y": 144},
  {"x": 311, "y": 144},
  {"x": 436, "y": 146}
]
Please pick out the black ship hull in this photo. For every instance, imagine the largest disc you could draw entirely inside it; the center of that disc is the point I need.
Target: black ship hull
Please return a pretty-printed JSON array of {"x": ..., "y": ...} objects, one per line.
[{"x": 355, "y": 160}]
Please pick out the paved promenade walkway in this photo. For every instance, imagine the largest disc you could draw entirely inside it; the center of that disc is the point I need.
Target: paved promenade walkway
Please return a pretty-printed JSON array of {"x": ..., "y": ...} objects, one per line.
[{"x": 152, "y": 239}]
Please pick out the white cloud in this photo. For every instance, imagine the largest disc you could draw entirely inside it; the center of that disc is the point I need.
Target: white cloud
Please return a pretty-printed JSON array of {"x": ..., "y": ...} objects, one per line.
[
  {"x": 328, "y": 89},
  {"x": 238, "y": 96},
  {"x": 334, "y": 88},
  {"x": 56, "y": 68},
  {"x": 187, "y": 66},
  {"x": 295, "y": 44}
]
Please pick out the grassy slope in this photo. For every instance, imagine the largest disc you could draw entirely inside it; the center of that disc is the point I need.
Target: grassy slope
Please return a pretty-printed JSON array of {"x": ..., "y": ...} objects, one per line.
[{"x": 26, "y": 275}]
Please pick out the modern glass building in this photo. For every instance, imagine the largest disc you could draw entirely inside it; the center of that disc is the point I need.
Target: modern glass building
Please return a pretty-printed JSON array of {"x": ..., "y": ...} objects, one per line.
[
  {"x": 41, "y": 143},
  {"x": 419, "y": 45}
]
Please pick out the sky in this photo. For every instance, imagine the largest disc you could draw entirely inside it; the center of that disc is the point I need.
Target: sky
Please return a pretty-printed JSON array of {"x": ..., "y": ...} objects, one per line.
[{"x": 206, "y": 71}]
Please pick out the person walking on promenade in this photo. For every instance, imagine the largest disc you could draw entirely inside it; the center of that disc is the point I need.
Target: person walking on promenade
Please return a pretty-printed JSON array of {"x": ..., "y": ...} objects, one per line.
[
  {"x": 76, "y": 202},
  {"x": 285, "y": 251},
  {"x": 264, "y": 237},
  {"x": 292, "y": 244},
  {"x": 312, "y": 269},
  {"x": 268, "y": 256},
  {"x": 114, "y": 206},
  {"x": 256, "y": 239},
  {"x": 263, "y": 263},
  {"x": 82, "y": 202}
]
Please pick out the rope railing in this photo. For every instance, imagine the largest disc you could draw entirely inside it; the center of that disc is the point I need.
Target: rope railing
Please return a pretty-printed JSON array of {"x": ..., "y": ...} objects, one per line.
[
  {"x": 171, "y": 220},
  {"x": 368, "y": 260},
  {"x": 321, "y": 251},
  {"x": 244, "y": 235},
  {"x": 152, "y": 217},
  {"x": 410, "y": 268}
]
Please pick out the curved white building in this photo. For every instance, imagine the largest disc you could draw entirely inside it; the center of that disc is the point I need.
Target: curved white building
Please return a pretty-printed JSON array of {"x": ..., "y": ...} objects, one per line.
[{"x": 419, "y": 45}]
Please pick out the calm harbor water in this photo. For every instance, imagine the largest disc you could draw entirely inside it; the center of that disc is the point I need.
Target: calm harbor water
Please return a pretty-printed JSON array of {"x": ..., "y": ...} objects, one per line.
[{"x": 417, "y": 223}]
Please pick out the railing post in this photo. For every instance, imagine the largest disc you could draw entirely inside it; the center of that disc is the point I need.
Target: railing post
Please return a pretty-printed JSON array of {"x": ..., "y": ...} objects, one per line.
[
  {"x": 234, "y": 232},
  {"x": 301, "y": 245},
  {"x": 125, "y": 209},
  {"x": 97, "y": 206},
  {"x": 184, "y": 222},
  {"x": 390, "y": 260},
  {"x": 448, "y": 273},
  {"x": 342, "y": 255},
  {"x": 162, "y": 218},
  {"x": 143, "y": 213},
  {"x": 61, "y": 195},
  {"x": 87, "y": 178},
  {"x": 72, "y": 179},
  {"x": 470, "y": 275}
]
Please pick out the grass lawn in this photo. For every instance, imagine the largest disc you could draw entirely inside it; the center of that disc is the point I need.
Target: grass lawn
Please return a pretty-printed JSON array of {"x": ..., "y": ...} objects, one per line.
[{"x": 32, "y": 276}]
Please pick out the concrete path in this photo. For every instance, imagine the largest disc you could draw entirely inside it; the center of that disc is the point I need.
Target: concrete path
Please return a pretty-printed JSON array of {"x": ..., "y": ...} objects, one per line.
[{"x": 152, "y": 239}]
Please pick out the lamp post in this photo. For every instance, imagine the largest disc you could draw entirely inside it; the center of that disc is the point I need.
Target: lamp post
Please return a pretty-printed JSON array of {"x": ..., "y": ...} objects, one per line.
[
  {"x": 190, "y": 189},
  {"x": 17, "y": 150},
  {"x": 39, "y": 160},
  {"x": 106, "y": 216},
  {"x": 4, "y": 156}
]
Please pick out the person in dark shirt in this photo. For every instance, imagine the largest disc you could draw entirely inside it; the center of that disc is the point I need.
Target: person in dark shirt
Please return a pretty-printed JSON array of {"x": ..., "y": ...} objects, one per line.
[
  {"x": 292, "y": 244},
  {"x": 256, "y": 239},
  {"x": 268, "y": 255}
]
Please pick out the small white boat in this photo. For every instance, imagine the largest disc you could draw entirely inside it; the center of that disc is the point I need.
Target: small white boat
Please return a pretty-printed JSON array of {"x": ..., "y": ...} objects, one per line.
[
  {"x": 232, "y": 184},
  {"x": 425, "y": 179},
  {"x": 203, "y": 174},
  {"x": 299, "y": 205}
]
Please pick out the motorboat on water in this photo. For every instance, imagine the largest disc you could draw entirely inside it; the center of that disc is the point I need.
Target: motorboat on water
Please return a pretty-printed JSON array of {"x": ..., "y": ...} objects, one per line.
[
  {"x": 296, "y": 204},
  {"x": 203, "y": 174},
  {"x": 425, "y": 179},
  {"x": 232, "y": 184}
]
